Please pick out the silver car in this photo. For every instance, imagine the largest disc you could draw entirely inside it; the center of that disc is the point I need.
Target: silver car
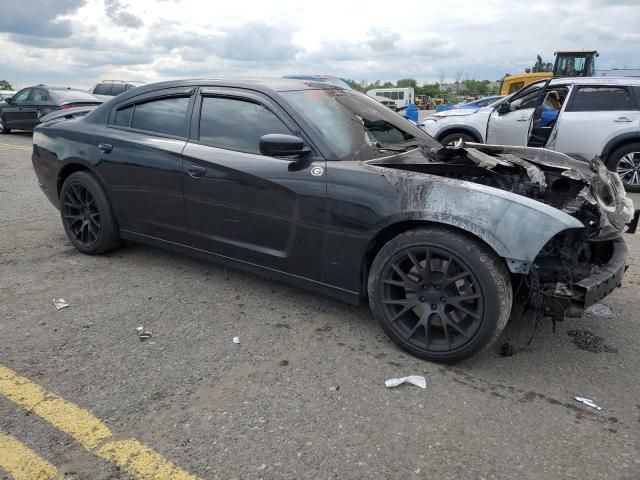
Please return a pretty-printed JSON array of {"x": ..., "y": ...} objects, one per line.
[{"x": 582, "y": 117}]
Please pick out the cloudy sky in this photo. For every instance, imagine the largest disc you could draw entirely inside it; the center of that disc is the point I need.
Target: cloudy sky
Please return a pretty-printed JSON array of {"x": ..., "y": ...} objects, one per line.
[{"x": 78, "y": 42}]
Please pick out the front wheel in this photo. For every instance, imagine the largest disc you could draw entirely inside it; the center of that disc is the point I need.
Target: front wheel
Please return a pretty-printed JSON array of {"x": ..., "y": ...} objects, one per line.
[
  {"x": 454, "y": 137},
  {"x": 440, "y": 295},
  {"x": 87, "y": 215},
  {"x": 625, "y": 161}
]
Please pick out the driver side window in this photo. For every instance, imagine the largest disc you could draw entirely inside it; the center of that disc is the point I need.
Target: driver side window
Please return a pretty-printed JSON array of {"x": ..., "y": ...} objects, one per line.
[
  {"x": 22, "y": 96},
  {"x": 237, "y": 124},
  {"x": 527, "y": 99}
]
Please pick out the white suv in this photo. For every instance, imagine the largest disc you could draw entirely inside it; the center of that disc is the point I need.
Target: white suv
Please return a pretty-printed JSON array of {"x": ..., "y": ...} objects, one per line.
[{"x": 582, "y": 117}]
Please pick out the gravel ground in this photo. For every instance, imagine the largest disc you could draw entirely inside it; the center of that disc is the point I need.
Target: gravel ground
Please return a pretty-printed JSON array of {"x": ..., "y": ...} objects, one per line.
[{"x": 302, "y": 395}]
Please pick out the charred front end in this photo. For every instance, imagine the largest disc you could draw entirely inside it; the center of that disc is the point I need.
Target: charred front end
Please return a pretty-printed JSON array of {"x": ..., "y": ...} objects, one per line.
[{"x": 578, "y": 266}]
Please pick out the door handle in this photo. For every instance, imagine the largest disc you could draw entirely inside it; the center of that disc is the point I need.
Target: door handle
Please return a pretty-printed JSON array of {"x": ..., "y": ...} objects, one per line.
[
  {"x": 623, "y": 120},
  {"x": 196, "y": 171},
  {"x": 105, "y": 147},
  {"x": 523, "y": 119}
]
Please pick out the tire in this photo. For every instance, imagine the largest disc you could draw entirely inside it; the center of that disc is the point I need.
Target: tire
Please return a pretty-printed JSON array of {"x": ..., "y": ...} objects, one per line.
[
  {"x": 3, "y": 128},
  {"x": 87, "y": 215},
  {"x": 413, "y": 317},
  {"x": 625, "y": 161},
  {"x": 454, "y": 137}
]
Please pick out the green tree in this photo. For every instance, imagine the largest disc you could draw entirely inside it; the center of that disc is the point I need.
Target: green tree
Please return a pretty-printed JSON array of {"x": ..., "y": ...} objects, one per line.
[
  {"x": 407, "y": 82},
  {"x": 388, "y": 85},
  {"x": 4, "y": 85}
]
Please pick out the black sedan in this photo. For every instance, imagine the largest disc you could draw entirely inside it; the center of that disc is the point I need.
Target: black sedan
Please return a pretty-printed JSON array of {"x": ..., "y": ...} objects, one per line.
[
  {"x": 24, "y": 109},
  {"x": 327, "y": 189}
]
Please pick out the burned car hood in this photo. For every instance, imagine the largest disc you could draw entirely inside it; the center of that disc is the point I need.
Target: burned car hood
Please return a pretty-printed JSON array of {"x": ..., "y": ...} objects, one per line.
[{"x": 587, "y": 191}]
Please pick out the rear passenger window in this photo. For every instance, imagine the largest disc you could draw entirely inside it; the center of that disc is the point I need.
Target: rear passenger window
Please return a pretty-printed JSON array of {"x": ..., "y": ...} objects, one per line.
[
  {"x": 167, "y": 116},
  {"x": 236, "y": 124},
  {"x": 102, "y": 89},
  {"x": 123, "y": 116},
  {"x": 594, "y": 99}
]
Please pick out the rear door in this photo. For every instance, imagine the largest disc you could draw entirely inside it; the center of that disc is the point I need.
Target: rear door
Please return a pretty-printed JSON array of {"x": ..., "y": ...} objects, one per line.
[
  {"x": 141, "y": 161},
  {"x": 39, "y": 102},
  {"x": 244, "y": 205},
  {"x": 14, "y": 114},
  {"x": 512, "y": 127},
  {"x": 594, "y": 115}
]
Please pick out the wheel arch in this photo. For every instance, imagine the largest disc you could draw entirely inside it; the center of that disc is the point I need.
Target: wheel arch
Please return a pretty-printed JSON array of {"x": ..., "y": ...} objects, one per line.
[
  {"x": 70, "y": 168},
  {"x": 473, "y": 132},
  {"x": 387, "y": 233},
  {"x": 618, "y": 142}
]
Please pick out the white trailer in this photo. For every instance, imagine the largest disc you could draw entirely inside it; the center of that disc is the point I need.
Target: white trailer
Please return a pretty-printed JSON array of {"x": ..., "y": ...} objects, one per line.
[{"x": 398, "y": 98}]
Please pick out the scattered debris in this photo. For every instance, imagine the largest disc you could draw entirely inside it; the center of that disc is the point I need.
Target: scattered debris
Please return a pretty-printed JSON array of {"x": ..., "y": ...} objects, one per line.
[
  {"x": 140, "y": 328},
  {"x": 284, "y": 363},
  {"x": 236, "y": 339},
  {"x": 600, "y": 310},
  {"x": 417, "y": 380},
  {"x": 585, "y": 340},
  {"x": 145, "y": 336},
  {"x": 588, "y": 402},
  {"x": 60, "y": 303},
  {"x": 506, "y": 350}
]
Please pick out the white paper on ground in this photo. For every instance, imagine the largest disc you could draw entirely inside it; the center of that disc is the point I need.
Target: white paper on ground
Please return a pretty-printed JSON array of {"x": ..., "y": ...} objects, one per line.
[
  {"x": 60, "y": 303},
  {"x": 417, "y": 380},
  {"x": 589, "y": 402}
]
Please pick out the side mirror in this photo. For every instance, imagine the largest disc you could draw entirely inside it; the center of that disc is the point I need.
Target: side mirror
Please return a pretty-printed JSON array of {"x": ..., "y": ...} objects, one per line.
[
  {"x": 278, "y": 145},
  {"x": 9, "y": 100},
  {"x": 504, "y": 108}
]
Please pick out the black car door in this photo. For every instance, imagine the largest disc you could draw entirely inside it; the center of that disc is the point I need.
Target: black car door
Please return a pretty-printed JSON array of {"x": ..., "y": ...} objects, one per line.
[
  {"x": 241, "y": 204},
  {"x": 38, "y": 102},
  {"x": 140, "y": 159},
  {"x": 13, "y": 113}
]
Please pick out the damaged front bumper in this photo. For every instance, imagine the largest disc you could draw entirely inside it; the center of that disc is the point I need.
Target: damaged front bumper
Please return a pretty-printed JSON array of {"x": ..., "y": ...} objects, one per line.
[{"x": 603, "y": 279}]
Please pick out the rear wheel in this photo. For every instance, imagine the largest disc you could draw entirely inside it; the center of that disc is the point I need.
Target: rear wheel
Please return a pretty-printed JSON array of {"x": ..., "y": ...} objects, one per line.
[
  {"x": 3, "y": 126},
  {"x": 626, "y": 163},
  {"x": 454, "y": 137},
  {"x": 440, "y": 295},
  {"x": 86, "y": 214}
]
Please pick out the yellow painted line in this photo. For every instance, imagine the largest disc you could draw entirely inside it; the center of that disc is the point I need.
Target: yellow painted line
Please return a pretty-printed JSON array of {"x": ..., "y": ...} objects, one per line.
[
  {"x": 66, "y": 416},
  {"x": 22, "y": 463},
  {"x": 93, "y": 434},
  {"x": 17, "y": 147},
  {"x": 141, "y": 462}
]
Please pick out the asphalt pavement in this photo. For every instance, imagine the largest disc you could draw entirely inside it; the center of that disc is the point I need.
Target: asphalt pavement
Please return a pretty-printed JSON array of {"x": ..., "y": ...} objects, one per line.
[{"x": 301, "y": 396}]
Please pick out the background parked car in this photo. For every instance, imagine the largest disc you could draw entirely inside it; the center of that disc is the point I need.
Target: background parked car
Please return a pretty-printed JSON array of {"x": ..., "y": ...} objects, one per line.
[
  {"x": 24, "y": 109},
  {"x": 481, "y": 102},
  {"x": 582, "y": 117},
  {"x": 112, "y": 88}
]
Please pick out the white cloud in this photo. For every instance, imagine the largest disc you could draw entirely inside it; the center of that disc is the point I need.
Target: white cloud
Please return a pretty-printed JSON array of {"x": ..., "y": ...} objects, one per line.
[{"x": 81, "y": 41}]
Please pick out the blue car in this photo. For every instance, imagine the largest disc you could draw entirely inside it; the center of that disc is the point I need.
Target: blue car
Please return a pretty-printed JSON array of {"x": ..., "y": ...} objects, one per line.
[{"x": 482, "y": 102}]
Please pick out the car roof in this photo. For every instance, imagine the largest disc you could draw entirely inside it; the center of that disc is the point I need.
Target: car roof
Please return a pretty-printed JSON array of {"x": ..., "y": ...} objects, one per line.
[
  {"x": 261, "y": 84},
  {"x": 596, "y": 80}
]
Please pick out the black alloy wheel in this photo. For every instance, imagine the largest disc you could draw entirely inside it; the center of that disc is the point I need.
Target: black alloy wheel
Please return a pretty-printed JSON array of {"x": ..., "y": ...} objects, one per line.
[
  {"x": 80, "y": 211},
  {"x": 439, "y": 293},
  {"x": 431, "y": 298},
  {"x": 87, "y": 215}
]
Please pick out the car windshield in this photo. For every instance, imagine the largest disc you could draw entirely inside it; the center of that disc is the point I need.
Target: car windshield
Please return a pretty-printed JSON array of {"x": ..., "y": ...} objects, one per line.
[
  {"x": 72, "y": 96},
  {"x": 358, "y": 127}
]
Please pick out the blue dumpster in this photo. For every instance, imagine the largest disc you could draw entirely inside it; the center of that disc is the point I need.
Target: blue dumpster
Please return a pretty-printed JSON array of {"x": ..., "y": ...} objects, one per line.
[{"x": 412, "y": 112}]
